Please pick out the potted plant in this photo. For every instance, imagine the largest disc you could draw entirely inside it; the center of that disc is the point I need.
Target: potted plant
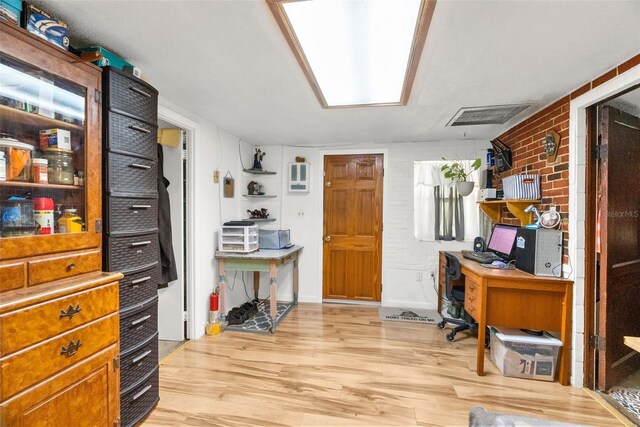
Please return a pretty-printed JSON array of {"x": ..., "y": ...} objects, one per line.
[{"x": 457, "y": 173}]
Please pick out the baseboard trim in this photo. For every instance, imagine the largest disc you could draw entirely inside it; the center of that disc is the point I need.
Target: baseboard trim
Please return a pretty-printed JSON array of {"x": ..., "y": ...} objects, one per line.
[{"x": 351, "y": 302}]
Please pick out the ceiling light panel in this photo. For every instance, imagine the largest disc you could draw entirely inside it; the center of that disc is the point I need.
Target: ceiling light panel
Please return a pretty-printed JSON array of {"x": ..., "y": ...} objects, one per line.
[{"x": 358, "y": 51}]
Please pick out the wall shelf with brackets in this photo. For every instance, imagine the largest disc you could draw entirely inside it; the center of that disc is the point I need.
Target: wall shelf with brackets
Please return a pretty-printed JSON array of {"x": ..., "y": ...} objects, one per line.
[{"x": 493, "y": 209}]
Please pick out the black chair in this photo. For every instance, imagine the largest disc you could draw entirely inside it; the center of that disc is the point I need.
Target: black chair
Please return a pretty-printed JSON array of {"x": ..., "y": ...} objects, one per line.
[{"x": 455, "y": 295}]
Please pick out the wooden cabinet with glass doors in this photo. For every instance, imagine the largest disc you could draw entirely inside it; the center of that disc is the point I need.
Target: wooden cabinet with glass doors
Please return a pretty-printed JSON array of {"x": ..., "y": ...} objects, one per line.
[{"x": 59, "y": 333}]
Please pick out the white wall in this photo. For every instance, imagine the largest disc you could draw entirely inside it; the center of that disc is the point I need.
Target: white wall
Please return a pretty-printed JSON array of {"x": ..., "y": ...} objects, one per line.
[
  {"x": 403, "y": 255},
  {"x": 212, "y": 148}
]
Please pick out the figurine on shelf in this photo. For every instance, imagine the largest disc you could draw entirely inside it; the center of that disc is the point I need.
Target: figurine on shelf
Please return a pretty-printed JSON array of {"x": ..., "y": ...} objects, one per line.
[
  {"x": 257, "y": 159},
  {"x": 253, "y": 188},
  {"x": 259, "y": 213}
]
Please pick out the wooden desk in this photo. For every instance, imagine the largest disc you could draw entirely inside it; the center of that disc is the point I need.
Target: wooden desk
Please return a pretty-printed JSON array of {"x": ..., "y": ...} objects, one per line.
[
  {"x": 513, "y": 298},
  {"x": 633, "y": 342},
  {"x": 263, "y": 260}
]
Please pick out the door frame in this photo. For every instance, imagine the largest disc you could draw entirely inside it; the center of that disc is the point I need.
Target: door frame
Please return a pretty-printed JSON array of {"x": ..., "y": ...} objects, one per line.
[
  {"x": 578, "y": 226},
  {"x": 348, "y": 152},
  {"x": 190, "y": 129}
]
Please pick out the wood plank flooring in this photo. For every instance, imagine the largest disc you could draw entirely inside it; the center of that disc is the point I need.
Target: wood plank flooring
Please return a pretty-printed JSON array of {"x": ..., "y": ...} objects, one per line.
[{"x": 339, "y": 365}]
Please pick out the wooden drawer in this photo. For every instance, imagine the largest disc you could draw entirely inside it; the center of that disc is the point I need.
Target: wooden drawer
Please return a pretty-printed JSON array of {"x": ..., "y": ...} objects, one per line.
[
  {"x": 12, "y": 275},
  {"x": 26, "y": 368},
  {"x": 472, "y": 299},
  {"x": 54, "y": 317},
  {"x": 63, "y": 266}
]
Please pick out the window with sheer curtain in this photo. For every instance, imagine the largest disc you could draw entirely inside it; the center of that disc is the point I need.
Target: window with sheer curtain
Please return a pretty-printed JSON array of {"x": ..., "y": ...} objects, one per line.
[{"x": 439, "y": 212}]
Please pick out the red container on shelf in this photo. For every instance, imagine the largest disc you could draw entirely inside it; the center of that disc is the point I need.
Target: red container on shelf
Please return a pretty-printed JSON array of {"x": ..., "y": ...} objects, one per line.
[{"x": 43, "y": 214}]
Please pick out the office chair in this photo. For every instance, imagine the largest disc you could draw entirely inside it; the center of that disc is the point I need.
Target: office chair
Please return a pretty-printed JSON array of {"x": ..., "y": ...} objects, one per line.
[{"x": 455, "y": 294}]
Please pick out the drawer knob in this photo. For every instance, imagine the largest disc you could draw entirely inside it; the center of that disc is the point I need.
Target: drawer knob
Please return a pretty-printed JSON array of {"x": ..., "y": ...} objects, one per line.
[
  {"x": 71, "y": 267},
  {"x": 70, "y": 349},
  {"x": 71, "y": 311}
]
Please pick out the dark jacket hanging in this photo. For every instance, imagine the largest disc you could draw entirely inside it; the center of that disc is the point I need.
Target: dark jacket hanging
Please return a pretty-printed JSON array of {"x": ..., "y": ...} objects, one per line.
[{"x": 167, "y": 259}]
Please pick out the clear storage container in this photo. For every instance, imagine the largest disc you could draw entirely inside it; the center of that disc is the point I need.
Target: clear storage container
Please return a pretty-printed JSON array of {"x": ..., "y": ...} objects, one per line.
[
  {"x": 60, "y": 165},
  {"x": 274, "y": 239},
  {"x": 18, "y": 159}
]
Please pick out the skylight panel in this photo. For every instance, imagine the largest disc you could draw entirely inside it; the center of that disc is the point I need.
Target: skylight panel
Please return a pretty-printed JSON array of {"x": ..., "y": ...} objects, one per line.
[{"x": 356, "y": 52}]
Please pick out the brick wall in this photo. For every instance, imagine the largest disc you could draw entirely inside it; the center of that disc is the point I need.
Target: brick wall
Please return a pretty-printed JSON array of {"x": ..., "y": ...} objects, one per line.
[{"x": 525, "y": 140}]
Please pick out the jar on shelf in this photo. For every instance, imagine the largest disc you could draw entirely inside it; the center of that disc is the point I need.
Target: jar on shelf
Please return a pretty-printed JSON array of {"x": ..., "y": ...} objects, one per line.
[
  {"x": 70, "y": 222},
  {"x": 17, "y": 156},
  {"x": 60, "y": 165},
  {"x": 40, "y": 171}
]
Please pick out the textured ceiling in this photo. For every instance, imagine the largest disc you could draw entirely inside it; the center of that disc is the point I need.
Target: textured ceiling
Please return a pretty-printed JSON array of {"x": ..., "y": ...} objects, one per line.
[{"x": 228, "y": 62}]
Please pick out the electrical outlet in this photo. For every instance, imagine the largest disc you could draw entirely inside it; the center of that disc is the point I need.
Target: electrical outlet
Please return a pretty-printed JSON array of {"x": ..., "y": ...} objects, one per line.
[{"x": 216, "y": 176}]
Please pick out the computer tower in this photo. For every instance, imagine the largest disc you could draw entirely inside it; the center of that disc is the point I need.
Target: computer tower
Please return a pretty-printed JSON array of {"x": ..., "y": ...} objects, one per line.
[{"x": 539, "y": 251}]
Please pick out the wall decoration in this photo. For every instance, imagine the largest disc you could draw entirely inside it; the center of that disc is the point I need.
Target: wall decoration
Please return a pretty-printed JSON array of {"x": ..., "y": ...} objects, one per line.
[{"x": 551, "y": 143}]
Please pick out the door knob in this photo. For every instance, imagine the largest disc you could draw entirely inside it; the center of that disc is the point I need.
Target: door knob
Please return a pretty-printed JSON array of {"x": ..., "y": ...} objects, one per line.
[
  {"x": 327, "y": 238},
  {"x": 328, "y": 184}
]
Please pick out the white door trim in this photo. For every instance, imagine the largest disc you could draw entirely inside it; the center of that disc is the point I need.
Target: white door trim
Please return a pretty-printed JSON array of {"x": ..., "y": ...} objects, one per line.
[
  {"x": 577, "y": 206},
  {"x": 385, "y": 161},
  {"x": 190, "y": 128}
]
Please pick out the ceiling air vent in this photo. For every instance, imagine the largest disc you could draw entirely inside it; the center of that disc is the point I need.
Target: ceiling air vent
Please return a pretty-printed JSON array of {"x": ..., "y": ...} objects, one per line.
[{"x": 492, "y": 115}]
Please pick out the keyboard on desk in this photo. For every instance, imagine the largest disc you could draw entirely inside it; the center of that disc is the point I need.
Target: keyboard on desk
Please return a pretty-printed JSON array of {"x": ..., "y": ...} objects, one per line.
[{"x": 481, "y": 257}]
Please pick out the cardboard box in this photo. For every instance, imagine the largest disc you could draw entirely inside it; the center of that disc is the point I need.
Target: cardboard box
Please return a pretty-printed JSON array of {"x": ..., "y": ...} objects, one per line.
[
  {"x": 518, "y": 354},
  {"x": 40, "y": 23},
  {"x": 55, "y": 138},
  {"x": 10, "y": 11}
]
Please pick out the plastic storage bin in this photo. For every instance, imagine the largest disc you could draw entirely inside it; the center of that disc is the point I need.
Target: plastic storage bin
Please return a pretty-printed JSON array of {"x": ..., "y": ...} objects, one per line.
[
  {"x": 518, "y": 354},
  {"x": 274, "y": 239},
  {"x": 242, "y": 239},
  {"x": 10, "y": 10}
]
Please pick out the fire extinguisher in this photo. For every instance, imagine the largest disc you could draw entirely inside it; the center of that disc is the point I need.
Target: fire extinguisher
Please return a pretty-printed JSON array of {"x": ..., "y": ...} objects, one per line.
[{"x": 213, "y": 307}]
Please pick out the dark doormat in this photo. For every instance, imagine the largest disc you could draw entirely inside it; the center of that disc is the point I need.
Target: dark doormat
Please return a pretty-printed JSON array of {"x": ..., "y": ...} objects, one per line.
[
  {"x": 260, "y": 323},
  {"x": 629, "y": 398}
]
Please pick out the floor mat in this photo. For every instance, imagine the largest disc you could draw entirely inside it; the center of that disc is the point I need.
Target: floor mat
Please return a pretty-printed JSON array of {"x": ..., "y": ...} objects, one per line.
[
  {"x": 260, "y": 323},
  {"x": 629, "y": 398},
  {"x": 416, "y": 315}
]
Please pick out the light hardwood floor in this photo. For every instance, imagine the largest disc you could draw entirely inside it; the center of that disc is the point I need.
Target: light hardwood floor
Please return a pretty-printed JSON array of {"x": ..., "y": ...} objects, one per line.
[{"x": 340, "y": 365}]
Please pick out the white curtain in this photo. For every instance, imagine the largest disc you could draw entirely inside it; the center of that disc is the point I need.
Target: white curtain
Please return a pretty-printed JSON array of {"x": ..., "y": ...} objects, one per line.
[{"x": 426, "y": 176}]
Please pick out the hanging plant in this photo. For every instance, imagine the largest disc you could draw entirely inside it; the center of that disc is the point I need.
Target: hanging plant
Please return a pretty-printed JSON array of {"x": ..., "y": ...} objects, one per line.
[{"x": 457, "y": 173}]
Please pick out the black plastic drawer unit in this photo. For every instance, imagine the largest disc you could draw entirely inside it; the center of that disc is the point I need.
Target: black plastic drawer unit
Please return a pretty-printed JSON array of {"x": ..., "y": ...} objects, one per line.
[
  {"x": 130, "y": 136},
  {"x": 132, "y": 252},
  {"x": 128, "y": 94},
  {"x": 131, "y": 175},
  {"x": 139, "y": 286},
  {"x": 131, "y": 215},
  {"x": 138, "y": 363},
  {"x": 137, "y": 402},
  {"x": 138, "y": 324}
]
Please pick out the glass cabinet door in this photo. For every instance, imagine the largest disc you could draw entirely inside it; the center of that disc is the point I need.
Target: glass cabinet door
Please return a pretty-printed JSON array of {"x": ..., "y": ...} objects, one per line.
[{"x": 42, "y": 152}]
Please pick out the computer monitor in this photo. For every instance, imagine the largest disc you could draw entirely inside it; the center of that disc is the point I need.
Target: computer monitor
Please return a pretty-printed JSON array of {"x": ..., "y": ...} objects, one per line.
[{"x": 503, "y": 241}]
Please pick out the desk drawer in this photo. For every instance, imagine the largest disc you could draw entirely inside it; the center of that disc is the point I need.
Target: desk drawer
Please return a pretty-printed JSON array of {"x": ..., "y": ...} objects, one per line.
[
  {"x": 55, "y": 317},
  {"x": 63, "y": 266},
  {"x": 472, "y": 296},
  {"x": 42, "y": 361}
]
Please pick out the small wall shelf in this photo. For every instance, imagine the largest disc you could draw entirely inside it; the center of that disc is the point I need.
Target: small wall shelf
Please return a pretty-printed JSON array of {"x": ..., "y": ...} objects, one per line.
[
  {"x": 259, "y": 219},
  {"x": 259, "y": 196},
  {"x": 493, "y": 209},
  {"x": 259, "y": 172}
]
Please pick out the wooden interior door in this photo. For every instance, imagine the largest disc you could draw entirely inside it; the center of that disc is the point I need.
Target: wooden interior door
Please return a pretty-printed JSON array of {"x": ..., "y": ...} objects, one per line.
[
  {"x": 352, "y": 230},
  {"x": 619, "y": 210}
]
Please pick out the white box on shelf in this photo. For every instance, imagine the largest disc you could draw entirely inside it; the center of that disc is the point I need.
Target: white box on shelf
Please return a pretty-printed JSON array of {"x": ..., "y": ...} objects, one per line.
[
  {"x": 237, "y": 238},
  {"x": 299, "y": 177},
  {"x": 518, "y": 354}
]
